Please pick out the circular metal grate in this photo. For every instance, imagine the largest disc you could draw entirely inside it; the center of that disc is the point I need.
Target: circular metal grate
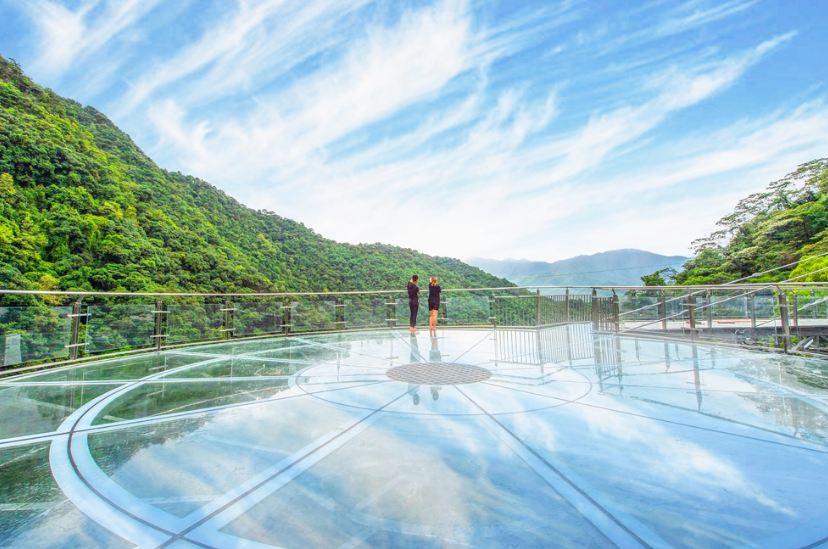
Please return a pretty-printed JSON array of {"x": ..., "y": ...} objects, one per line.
[{"x": 438, "y": 373}]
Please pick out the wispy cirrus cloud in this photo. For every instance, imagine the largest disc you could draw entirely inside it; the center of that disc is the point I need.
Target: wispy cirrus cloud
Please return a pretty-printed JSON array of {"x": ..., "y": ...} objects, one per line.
[{"x": 70, "y": 35}]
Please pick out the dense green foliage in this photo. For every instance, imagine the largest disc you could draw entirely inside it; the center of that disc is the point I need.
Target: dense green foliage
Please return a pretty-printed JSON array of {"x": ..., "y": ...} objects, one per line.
[
  {"x": 81, "y": 207},
  {"x": 786, "y": 223}
]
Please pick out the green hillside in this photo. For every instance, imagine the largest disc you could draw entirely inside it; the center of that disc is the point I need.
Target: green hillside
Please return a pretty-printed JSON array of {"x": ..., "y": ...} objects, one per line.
[
  {"x": 786, "y": 223},
  {"x": 81, "y": 207}
]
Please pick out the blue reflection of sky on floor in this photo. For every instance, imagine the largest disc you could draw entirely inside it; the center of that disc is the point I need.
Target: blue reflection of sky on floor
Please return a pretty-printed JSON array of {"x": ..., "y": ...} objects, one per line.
[{"x": 576, "y": 440}]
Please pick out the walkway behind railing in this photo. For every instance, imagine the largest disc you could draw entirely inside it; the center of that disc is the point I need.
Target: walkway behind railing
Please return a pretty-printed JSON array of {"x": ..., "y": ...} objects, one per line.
[{"x": 39, "y": 328}]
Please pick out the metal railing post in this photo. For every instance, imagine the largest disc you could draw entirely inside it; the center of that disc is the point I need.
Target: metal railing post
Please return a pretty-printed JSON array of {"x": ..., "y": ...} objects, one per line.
[
  {"x": 537, "y": 308},
  {"x": 691, "y": 312},
  {"x": 391, "y": 312},
  {"x": 753, "y": 310},
  {"x": 663, "y": 311},
  {"x": 710, "y": 311},
  {"x": 795, "y": 309},
  {"x": 339, "y": 314},
  {"x": 287, "y": 309},
  {"x": 75, "y": 338},
  {"x": 783, "y": 318},
  {"x": 594, "y": 309},
  {"x": 566, "y": 299},
  {"x": 616, "y": 319},
  {"x": 228, "y": 320},
  {"x": 159, "y": 312}
]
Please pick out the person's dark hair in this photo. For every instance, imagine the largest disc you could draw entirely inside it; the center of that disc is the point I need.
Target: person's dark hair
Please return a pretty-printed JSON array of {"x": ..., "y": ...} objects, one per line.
[{"x": 415, "y": 278}]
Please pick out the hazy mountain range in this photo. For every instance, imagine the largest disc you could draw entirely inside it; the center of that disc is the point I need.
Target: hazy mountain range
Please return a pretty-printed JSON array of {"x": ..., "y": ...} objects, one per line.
[{"x": 612, "y": 268}]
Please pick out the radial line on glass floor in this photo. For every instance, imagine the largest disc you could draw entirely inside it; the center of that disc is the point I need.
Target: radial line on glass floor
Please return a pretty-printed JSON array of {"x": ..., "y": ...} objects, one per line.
[{"x": 621, "y": 528}]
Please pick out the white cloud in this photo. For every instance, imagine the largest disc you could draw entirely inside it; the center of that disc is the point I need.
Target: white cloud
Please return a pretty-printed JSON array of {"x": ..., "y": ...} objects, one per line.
[
  {"x": 436, "y": 128},
  {"x": 70, "y": 36}
]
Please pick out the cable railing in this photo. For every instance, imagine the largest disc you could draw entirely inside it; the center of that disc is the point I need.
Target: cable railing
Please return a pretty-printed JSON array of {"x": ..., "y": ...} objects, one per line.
[{"x": 42, "y": 328}]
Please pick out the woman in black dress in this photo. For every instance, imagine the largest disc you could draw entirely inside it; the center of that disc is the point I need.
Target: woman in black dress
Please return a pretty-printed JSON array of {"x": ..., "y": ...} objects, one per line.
[{"x": 433, "y": 305}]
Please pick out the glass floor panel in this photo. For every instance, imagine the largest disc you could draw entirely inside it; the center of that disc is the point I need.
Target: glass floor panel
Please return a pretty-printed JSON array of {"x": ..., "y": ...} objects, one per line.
[{"x": 555, "y": 437}]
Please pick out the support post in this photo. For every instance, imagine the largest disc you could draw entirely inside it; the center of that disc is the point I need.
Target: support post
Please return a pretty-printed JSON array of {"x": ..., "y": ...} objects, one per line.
[
  {"x": 537, "y": 308},
  {"x": 228, "y": 319},
  {"x": 159, "y": 307},
  {"x": 663, "y": 310},
  {"x": 566, "y": 300},
  {"x": 615, "y": 312},
  {"x": 74, "y": 343},
  {"x": 390, "y": 311},
  {"x": 286, "y": 316},
  {"x": 691, "y": 310},
  {"x": 339, "y": 314},
  {"x": 783, "y": 317},
  {"x": 753, "y": 310},
  {"x": 795, "y": 309},
  {"x": 710, "y": 311},
  {"x": 595, "y": 309}
]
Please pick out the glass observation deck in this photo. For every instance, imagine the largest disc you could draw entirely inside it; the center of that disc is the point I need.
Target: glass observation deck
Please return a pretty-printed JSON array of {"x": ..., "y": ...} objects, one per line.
[{"x": 543, "y": 436}]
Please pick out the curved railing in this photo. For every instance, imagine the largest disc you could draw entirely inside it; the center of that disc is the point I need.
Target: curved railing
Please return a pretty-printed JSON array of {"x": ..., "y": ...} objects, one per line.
[{"x": 43, "y": 328}]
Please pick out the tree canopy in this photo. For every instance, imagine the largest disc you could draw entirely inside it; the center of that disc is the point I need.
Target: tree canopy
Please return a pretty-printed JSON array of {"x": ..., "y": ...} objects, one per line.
[{"x": 784, "y": 224}]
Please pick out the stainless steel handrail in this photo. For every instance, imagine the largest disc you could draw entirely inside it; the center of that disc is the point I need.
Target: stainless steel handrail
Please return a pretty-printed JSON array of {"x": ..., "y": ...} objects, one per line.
[{"x": 740, "y": 286}]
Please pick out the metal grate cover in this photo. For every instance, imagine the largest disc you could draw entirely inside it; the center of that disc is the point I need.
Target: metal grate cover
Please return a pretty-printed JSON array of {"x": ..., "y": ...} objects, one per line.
[{"x": 438, "y": 373}]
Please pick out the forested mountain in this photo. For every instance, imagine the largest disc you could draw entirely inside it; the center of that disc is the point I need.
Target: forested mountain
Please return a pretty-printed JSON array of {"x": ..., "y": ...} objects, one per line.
[
  {"x": 786, "y": 223},
  {"x": 615, "y": 267},
  {"x": 81, "y": 207}
]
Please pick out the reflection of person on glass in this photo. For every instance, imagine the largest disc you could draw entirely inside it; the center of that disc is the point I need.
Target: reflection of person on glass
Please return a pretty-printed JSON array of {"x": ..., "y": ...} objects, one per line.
[
  {"x": 433, "y": 305},
  {"x": 435, "y": 356},
  {"x": 413, "y": 389},
  {"x": 413, "y": 302}
]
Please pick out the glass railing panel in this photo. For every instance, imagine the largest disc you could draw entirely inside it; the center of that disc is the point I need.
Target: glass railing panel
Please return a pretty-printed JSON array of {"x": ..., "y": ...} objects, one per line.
[
  {"x": 766, "y": 309},
  {"x": 30, "y": 334},
  {"x": 312, "y": 316},
  {"x": 514, "y": 310},
  {"x": 120, "y": 327},
  {"x": 468, "y": 311},
  {"x": 733, "y": 309},
  {"x": 366, "y": 313},
  {"x": 188, "y": 323},
  {"x": 250, "y": 319},
  {"x": 403, "y": 313}
]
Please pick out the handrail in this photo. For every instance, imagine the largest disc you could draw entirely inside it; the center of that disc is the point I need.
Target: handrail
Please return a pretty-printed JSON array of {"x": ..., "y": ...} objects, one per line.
[{"x": 695, "y": 287}]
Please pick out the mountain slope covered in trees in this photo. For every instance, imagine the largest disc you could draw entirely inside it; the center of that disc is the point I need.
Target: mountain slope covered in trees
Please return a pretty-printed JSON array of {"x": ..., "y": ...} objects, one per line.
[
  {"x": 81, "y": 207},
  {"x": 786, "y": 223}
]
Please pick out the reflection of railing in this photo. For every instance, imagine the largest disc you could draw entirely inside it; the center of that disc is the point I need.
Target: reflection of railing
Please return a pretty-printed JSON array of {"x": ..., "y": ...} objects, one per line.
[
  {"x": 563, "y": 344},
  {"x": 41, "y": 327}
]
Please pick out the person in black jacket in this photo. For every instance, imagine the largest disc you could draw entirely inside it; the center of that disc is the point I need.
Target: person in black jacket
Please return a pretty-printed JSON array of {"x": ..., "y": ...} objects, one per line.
[
  {"x": 433, "y": 305},
  {"x": 413, "y": 302}
]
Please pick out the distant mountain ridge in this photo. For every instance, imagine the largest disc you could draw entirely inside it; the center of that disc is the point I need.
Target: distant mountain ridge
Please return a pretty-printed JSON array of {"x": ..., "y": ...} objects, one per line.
[{"x": 613, "y": 268}]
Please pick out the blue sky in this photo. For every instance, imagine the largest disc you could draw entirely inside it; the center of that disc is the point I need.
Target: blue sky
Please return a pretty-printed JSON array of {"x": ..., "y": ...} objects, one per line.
[{"x": 464, "y": 128}]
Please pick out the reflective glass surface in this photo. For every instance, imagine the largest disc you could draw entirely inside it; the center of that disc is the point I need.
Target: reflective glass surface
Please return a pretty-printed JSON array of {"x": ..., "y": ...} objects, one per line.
[
  {"x": 187, "y": 323},
  {"x": 34, "y": 333},
  {"x": 119, "y": 327},
  {"x": 570, "y": 439},
  {"x": 257, "y": 318},
  {"x": 365, "y": 312},
  {"x": 312, "y": 316}
]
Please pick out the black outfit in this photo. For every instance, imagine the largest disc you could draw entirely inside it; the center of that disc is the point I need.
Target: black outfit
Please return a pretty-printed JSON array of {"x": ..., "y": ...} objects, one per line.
[
  {"x": 413, "y": 302},
  {"x": 434, "y": 297}
]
